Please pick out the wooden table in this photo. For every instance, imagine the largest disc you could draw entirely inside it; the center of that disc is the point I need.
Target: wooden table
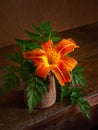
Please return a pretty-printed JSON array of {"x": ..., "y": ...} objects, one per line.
[{"x": 62, "y": 115}]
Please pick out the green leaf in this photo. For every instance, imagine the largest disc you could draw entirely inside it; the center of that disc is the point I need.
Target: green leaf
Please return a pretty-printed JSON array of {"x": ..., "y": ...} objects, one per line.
[
  {"x": 36, "y": 45},
  {"x": 55, "y": 38},
  {"x": 43, "y": 33},
  {"x": 75, "y": 93},
  {"x": 54, "y": 33},
  {"x": 11, "y": 68},
  {"x": 27, "y": 70},
  {"x": 34, "y": 36},
  {"x": 84, "y": 107},
  {"x": 11, "y": 80},
  {"x": 64, "y": 91},
  {"x": 35, "y": 91},
  {"x": 33, "y": 100},
  {"x": 37, "y": 29},
  {"x": 78, "y": 77},
  {"x": 27, "y": 45},
  {"x": 46, "y": 26},
  {"x": 17, "y": 57},
  {"x": 76, "y": 96},
  {"x": 42, "y": 84}
]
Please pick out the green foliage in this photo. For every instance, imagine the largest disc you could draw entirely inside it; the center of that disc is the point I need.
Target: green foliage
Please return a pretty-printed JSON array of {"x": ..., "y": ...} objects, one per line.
[
  {"x": 64, "y": 91},
  {"x": 37, "y": 29},
  {"x": 17, "y": 57},
  {"x": 36, "y": 89},
  {"x": 11, "y": 68},
  {"x": 55, "y": 38},
  {"x": 76, "y": 97},
  {"x": 43, "y": 33},
  {"x": 84, "y": 107},
  {"x": 74, "y": 92},
  {"x": 26, "y": 45},
  {"x": 11, "y": 80},
  {"x": 27, "y": 70},
  {"x": 78, "y": 77},
  {"x": 46, "y": 26},
  {"x": 34, "y": 36}
]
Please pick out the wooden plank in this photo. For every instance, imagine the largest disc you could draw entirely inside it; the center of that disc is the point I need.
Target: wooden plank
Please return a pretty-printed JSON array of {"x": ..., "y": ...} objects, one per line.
[{"x": 62, "y": 14}]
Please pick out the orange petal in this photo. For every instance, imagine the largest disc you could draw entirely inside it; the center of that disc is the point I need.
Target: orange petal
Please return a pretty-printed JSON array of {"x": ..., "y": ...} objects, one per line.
[
  {"x": 42, "y": 71},
  {"x": 69, "y": 63},
  {"x": 66, "y": 73},
  {"x": 48, "y": 45},
  {"x": 61, "y": 73},
  {"x": 34, "y": 53},
  {"x": 39, "y": 60},
  {"x": 66, "y": 46}
]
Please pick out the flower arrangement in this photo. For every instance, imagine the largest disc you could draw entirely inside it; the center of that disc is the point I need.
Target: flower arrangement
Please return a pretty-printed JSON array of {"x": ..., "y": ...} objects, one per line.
[{"x": 43, "y": 54}]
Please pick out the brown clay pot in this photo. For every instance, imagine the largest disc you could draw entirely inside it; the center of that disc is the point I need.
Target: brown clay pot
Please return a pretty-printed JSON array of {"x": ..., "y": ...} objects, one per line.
[{"x": 50, "y": 97}]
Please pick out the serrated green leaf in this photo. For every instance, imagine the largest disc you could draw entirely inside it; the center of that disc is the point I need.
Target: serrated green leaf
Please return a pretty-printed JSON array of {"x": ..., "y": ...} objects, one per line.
[
  {"x": 34, "y": 36},
  {"x": 75, "y": 93},
  {"x": 64, "y": 91},
  {"x": 11, "y": 80},
  {"x": 55, "y": 38},
  {"x": 84, "y": 107},
  {"x": 27, "y": 70},
  {"x": 39, "y": 82},
  {"x": 76, "y": 96},
  {"x": 37, "y": 29},
  {"x": 46, "y": 26},
  {"x": 11, "y": 68},
  {"x": 31, "y": 102},
  {"x": 78, "y": 77},
  {"x": 41, "y": 86},
  {"x": 45, "y": 39},
  {"x": 35, "y": 91},
  {"x": 17, "y": 57},
  {"x": 47, "y": 35},
  {"x": 36, "y": 45},
  {"x": 25, "y": 45},
  {"x": 54, "y": 33}
]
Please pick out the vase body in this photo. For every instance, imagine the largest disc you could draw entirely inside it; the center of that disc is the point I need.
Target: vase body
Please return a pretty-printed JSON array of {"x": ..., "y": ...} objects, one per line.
[{"x": 50, "y": 97}]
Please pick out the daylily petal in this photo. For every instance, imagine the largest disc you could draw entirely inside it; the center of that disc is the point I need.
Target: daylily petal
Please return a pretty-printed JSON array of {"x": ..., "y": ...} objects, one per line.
[
  {"x": 58, "y": 75},
  {"x": 39, "y": 60},
  {"x": 69, "y": 63},
  {"x": 65, "y": 72},
  {"x": 66, "y": 46},
  {"x": 37, "y": 56},
  {"x": 34, "y": 53},
  {"x": 48, "y": 45},
  {"x": 61, "y": 73},
  {"x": 42, "y": 71}
]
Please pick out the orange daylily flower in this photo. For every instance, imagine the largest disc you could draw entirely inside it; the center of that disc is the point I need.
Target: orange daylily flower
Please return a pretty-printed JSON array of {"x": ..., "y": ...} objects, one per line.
[{"x": 54, "y": 58}]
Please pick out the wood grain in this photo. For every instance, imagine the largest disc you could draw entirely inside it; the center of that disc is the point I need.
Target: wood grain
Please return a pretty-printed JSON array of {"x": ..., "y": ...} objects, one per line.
[{"x": 17, "y": 15}]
